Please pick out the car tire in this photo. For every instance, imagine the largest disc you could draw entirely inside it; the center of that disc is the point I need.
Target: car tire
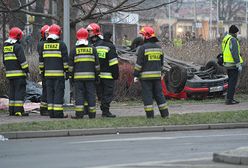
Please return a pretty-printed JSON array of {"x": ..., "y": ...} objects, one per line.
[
  {"x": 176, "y": 79},
  {"x": 214, "y": 64}
]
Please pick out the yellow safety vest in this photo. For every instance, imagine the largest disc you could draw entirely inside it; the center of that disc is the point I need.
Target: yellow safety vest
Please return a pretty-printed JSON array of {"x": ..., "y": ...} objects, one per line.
[{"x": 227, "y": 55}]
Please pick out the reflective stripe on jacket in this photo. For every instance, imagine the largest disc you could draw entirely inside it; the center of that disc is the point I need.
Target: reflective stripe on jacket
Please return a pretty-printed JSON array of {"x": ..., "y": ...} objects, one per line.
[
  {"x": 53, "y": 58},
  {"x": 83, "y": 63},
  {"x": 149, "y": 61},
  {"x": 14, "y": 60}
]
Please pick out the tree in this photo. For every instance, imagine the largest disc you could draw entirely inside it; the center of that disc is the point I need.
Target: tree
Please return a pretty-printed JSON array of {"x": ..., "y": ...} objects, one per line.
[
  {"x": 230, "y": 10},
  {"x": 81, "y": 10}
]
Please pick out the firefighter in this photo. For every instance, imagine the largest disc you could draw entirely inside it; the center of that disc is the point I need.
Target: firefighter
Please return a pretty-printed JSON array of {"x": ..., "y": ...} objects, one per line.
[
  {"x": 54, "y": 56},
  {"x": 109, "y": 71},
  {"x": 84, "y": 67},
  {"x": 16, "y": 71},
  {"x": 43, "y": 104},
  {"x": 148, "y": 71},
  {"x": 232, "y": 62}
]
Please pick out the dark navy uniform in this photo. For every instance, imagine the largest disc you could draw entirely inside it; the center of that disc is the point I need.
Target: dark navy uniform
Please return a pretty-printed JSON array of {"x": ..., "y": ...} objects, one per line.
[
  {"x": 148, "y": 69},
  {"x": 43, "y": 103},
  {"x": 54, "y": 57},
  {"x": 84, "y": 68},
  {"x": 16, "y": 69},
  {"x": 109, "y": 72}
]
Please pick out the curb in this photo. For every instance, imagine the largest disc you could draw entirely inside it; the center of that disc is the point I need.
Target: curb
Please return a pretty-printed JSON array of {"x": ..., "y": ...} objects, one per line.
[
  {"x": 123, "y": 130},
  {"x": 237, "y": 156}
]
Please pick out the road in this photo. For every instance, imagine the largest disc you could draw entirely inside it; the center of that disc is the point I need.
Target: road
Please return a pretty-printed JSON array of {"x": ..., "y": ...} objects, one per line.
[{"x": 164, "y": 149}]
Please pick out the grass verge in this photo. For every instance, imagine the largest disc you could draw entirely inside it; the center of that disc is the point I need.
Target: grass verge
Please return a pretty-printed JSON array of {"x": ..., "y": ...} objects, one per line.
[
  {"x": 240, "y": 97},
  {"x": 175, "y": 119}
]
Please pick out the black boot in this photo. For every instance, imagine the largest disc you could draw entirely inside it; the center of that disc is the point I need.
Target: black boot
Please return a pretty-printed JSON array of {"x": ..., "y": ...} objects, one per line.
[
  {"x": 44, "y": 111},
  {"x": 164, "y": 113},
  {"x": 60, "y": 115},
  {"x": 108, "y": 114},
  {"x": 51, "y": 113},
  {"x": 79, "y": 115},
  {"x": 20, "y": 114},
  {"x": 92, "y": 115},
  {"x": 150, "y": 114},
  {"x": 86, "y": 110},
  {"x": 231, "y": 102}
]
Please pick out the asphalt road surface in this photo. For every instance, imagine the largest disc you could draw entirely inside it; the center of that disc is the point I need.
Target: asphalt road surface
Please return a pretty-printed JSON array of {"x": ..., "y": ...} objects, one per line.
[{"x": 166, "y": 149}]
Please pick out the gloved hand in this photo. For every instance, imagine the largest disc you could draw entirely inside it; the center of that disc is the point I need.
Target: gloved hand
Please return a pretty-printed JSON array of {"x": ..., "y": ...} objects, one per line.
[
  {"x": 162, "y": 77},
  {"x": 97, "y": 79},
  {"x": 67, "y": 75},
  {"x": 239, "y": 66},
  {"x": 28, "y": 75},
  {"x": 135, "y": 79}
]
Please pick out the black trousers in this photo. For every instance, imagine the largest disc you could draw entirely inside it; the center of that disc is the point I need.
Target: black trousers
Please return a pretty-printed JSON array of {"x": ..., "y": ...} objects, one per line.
[
  {"x": 232, "y": 82},
  {"x": 85, "y": 91},
  {"x": 152, "y": 89},
  {"x": 43, "y": 104},
  {"x": 105, "y": 93},
  {"x": 17, "y": 92},
  {"x": 55, "y": 96}
]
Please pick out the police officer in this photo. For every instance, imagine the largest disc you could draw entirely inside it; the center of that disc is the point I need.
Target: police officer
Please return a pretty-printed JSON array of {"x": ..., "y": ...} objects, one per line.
[
  {"x": 232, "y": 61},
  {"x": 43, "y": 104},
  {"x": 109, "y": 71},
  {"x": 16, "y": 71},
  {"x": 54, "y": 56},
  {"x": 84, "y": 67},
  {"x": 148, "y": 71}
]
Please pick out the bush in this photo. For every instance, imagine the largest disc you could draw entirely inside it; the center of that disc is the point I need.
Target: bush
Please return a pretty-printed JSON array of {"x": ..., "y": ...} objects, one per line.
[{"x": 125, "y": 88}]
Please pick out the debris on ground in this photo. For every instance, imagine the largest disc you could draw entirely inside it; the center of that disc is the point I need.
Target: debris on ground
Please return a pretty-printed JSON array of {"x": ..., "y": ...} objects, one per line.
[
  {"x": 33, "y": 92},
  {"x": 4, "y": 104}
]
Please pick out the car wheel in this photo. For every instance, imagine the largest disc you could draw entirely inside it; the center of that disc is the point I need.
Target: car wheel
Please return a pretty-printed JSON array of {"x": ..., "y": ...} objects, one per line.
[
  {"x": 213, "y": 64},
  {"x": 176, "y": 79}
]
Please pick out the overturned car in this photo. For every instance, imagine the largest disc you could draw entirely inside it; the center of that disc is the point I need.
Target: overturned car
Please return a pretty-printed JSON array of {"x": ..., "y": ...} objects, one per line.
[{"x": 184, "y": 79}]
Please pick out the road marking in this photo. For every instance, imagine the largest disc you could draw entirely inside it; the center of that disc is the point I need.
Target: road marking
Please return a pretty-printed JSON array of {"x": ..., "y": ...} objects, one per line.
[
  {"x": 153, "y": 163},
  {"x": 153, "y": 138}
]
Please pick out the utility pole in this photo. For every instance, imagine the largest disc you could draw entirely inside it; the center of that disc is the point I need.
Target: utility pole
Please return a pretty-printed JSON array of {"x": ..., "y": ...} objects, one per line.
[
  {"x": 246, "y": 17},
  {"x": 4, "y": 27},
  {"x": 210, "y": 20},
  {"x": 217, "y": 18},
  {"x": 195, "y": 19},
  {"x": 66, "y": 38},
  {"x": 169, "y": 21}
]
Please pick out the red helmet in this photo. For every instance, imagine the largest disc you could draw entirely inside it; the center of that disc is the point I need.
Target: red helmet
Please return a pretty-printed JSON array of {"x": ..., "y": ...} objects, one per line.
[
  {"x": 15, "y": 33},
  {"x": 147, "y": 32},
  {"x": 82, "y": 34},
  {"x": 95, "y": 28},
  {"x": 43, "y": 30},
  {"x": 55, "y": 29}
]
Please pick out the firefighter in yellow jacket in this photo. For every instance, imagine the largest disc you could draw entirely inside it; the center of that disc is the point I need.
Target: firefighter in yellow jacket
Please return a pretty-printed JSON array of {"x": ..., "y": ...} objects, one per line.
[
  {"x": 84, "y": 68},
  {"x": 16, "y": 71},
  {"x": 54, "y": 56},
  {"x": 43, "y": 103},
  {"x": 148, "y": 70}
]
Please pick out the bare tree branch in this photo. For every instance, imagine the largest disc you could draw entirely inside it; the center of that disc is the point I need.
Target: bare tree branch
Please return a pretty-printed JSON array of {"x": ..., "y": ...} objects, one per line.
[
  {"x": 16, "y": 9},
  {"x": 144, "y": 9},
  {"x": 80, "y": 4},
  {"x": 39, "y": 14}
]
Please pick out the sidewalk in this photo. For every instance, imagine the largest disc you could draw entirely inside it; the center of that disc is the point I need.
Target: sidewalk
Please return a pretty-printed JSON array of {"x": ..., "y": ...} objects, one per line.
[{"x": 125, "y": 110}]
